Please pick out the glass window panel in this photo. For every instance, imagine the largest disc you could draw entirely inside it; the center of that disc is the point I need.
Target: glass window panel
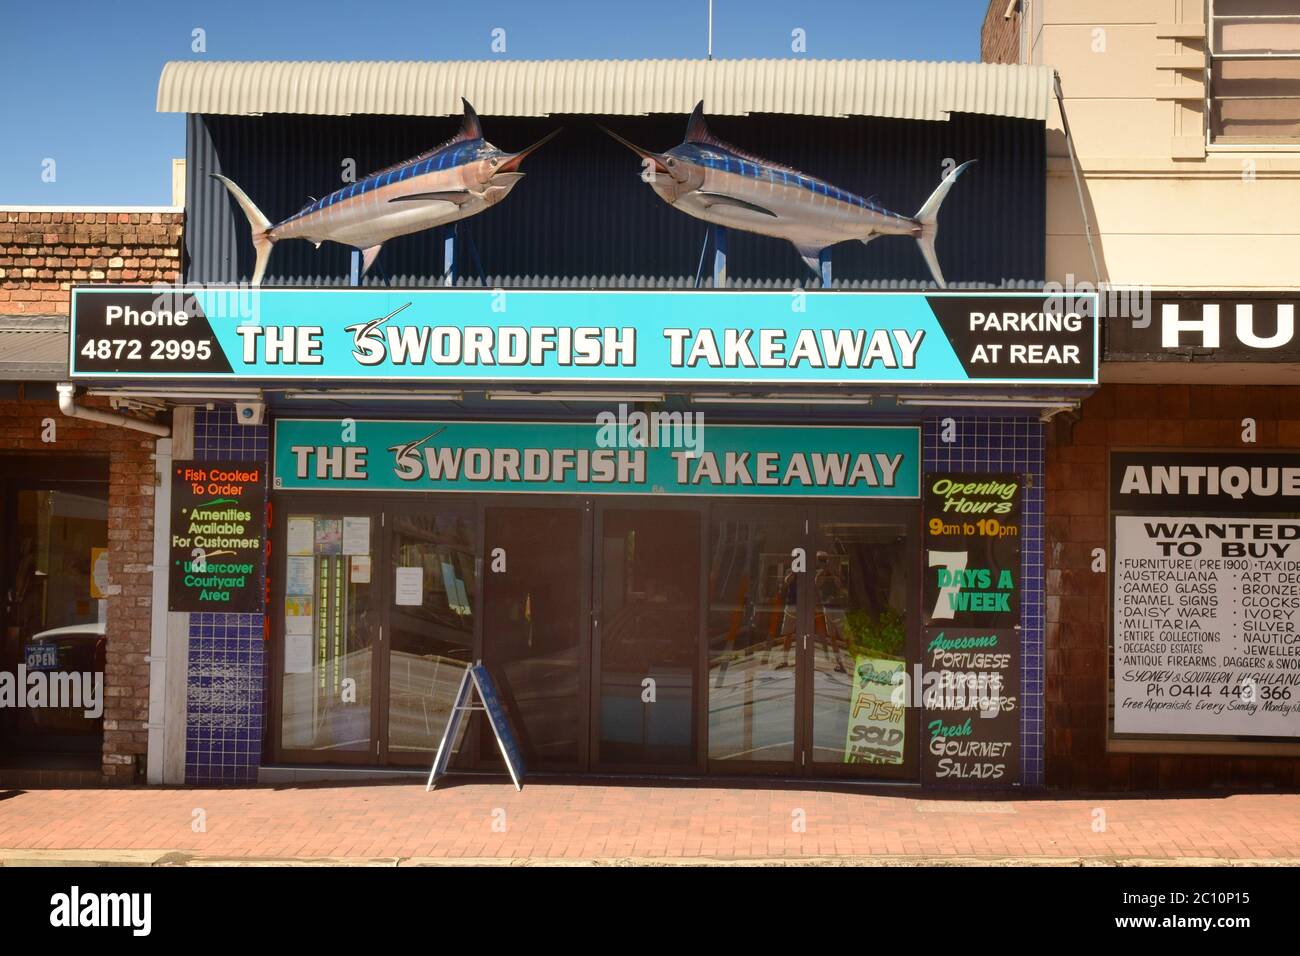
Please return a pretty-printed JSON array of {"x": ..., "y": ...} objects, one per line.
[
  {"x": 435, "y": 587},
  {"x": 860, "y": 591},
  {"x": 532, "y": 628},
  {"x": 58, "y": 538},
  {"x": 1253, "y": 8},
  {"x": 753, "y": 637},
  {"x": 1255, "y": 101},
  {"x": 57, "y": 534},
  {"x": 649, "y": 628},
  {"x": 330, "y": 625},
  {"x": 1264, "y": 35}
]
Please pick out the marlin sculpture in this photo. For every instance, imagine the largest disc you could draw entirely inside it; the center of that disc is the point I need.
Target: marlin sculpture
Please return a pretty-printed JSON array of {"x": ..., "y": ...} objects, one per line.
[
  {"x": 719, "y": 183},
  {"x": 458, "y": 179}
]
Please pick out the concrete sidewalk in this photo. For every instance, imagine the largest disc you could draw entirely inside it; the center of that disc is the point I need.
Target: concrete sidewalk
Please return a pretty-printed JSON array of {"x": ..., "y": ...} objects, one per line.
[{"x": 575, "y": 824}]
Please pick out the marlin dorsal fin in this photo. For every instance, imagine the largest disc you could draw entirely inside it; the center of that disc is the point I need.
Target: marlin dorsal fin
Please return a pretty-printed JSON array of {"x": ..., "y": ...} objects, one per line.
[
  {"x": 697, "y": 131},
  {"x": 470, "y": 128}
]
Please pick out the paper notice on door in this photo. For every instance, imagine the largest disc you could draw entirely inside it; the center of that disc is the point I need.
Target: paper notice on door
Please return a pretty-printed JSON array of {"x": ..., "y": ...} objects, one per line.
[
  {"x": 301, "y": 536},
  {"x": 98, "y": 573},
  {"x": 449, "y": 586},
  {"x": 298, "y": 574},
  {"x": 299, "y": 610},
  {"x": 409, "y": 588},
  {"x": 356, "y": 535},
  {"x": 297, "y": 653},
  {"x": 329, "y": 536},
  {"x": 359, "y": 566},
  {"x": 457, "y": 599}
]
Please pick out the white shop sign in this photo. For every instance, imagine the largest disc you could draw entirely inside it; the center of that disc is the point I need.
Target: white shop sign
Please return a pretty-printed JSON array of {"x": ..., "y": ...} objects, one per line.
[{"x": 1206, "y": 626}]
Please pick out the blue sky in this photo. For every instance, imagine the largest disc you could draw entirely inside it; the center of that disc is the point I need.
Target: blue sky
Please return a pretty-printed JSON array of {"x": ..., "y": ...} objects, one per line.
[{"x": 79, "y": 77}]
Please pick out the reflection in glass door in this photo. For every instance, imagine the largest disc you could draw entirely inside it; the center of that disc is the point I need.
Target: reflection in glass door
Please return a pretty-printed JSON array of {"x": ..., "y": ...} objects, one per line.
[
  {"x": 861, "y": 602},
  {"x": 330, "y": 626},
  {"x": 647, "y": 627},
  {"x": 533, "y": 600},
  {"x": 54, "y": 566},
  {"x": 754, "y": 633},
  {"x": 434, "y": 589}
]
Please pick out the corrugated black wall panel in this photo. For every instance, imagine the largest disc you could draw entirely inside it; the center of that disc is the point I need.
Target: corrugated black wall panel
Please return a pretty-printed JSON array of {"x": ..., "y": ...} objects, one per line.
[{"x": 584, "y": 211}]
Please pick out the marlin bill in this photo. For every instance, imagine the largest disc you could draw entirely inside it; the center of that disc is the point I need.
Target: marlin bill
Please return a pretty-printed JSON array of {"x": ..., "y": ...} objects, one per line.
[
  {"x": 454, "y": 181},
  {"x": 721, "y": 184}
]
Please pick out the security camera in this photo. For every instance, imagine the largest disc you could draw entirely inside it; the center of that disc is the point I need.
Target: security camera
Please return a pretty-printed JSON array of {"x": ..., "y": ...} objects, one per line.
[{"x": 250, "y": 413}]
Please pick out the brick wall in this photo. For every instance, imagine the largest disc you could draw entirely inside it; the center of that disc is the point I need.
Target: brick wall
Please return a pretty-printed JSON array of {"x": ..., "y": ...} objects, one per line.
[
  {"x": 999, "y": 37},
  {"x": 1077, "y": 606},
  {"x": 42, "y": 254},
  {"x": 130, "y": 554}
]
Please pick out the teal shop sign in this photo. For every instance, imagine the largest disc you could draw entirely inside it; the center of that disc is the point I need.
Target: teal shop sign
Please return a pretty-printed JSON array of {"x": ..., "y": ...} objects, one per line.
[
  {"x": 486, "y": 337},
  {"x": 590, "y": 458}
]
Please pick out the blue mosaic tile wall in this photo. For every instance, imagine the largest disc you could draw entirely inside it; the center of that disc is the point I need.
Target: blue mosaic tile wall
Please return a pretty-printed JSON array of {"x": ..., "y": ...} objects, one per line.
[
  {"x": 226, "y": 673},
  {"x": 1010, "y": 445}
]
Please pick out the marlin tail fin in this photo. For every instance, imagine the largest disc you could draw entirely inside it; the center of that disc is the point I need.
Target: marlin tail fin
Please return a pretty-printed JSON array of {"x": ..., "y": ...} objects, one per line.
[
  {"x": 928, "y": 217},
  {"x": 261, "y": 226}
]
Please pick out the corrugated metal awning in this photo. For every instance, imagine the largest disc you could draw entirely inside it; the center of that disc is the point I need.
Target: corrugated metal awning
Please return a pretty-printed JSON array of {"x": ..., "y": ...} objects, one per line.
[
  {"x": 891, "y": 88},
  {"x": 33, "y": 348}
]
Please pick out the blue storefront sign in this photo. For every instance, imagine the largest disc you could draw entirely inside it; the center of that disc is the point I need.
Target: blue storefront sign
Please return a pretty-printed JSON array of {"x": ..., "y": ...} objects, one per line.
[
  {"x": 594, "y": 458},
  {"x": 470, "y": 336}
]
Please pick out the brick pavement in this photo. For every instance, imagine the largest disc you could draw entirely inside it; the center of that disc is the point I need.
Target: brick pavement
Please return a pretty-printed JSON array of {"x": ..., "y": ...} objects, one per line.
[{"x": 564, "y": 821}]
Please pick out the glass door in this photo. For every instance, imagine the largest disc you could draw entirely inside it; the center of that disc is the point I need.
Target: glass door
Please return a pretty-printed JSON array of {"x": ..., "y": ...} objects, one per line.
[
  {"x": 329, "y": 618},
  {"x": 646, "y": 633},
  {"x": 433, "y": 597},
  {"x": 536, "y": 590},
  {"x": 755, "y": 628},
  {"x": 53, "y": 581},
  {"x": 812, "y": 624},
  {"x": 863, "y": 641}
]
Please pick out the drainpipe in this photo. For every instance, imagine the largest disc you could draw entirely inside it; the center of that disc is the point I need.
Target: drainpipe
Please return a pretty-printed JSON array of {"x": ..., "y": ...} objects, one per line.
[
  {"x": 1074, "y": 165},
  {"x": 68, "y": 405}
]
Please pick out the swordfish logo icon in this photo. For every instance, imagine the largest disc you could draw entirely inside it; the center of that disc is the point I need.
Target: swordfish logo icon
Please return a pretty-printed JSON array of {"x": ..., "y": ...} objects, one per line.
[
  {"x": 369, "y": 347},
  {"x": 407, "y": 461}
]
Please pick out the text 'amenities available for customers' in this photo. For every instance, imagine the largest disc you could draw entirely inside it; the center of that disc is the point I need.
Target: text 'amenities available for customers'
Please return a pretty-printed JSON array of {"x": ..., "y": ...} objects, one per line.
[{"x": 218, "y": 526}]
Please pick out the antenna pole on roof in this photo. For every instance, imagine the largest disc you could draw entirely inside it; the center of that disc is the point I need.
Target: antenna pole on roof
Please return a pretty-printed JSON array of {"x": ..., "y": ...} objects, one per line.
[{"x": 710, "y": 29}]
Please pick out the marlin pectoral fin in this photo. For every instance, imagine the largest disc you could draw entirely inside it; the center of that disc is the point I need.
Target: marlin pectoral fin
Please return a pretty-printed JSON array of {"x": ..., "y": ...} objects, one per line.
[
  {"x": 711, "y": 199},
  {"x": 368, "y": 257},
  {"x": 457, "y": 196}
]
